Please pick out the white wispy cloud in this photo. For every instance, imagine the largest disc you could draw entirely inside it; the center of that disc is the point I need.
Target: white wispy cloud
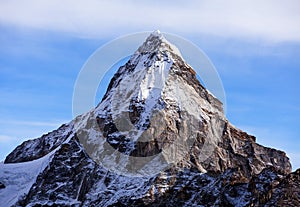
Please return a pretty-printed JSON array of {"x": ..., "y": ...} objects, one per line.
[
  {"x": 34, "y": 123},
  {"x": 6, "y": 138},
  {"x": 269, "y": 20}
]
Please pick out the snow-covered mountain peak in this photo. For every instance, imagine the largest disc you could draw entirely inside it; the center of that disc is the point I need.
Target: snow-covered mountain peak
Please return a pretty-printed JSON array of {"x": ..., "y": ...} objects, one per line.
[
  {"x": 157, "y": 43},
  {"x": 157, "y": 33},
  {"x": 158, "y": 138},
  {"x": 155, "y": 74}
]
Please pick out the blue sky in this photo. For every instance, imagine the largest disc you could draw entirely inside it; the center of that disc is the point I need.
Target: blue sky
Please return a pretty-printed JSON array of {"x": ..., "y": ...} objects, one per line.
[{"x": 254, "y": 46}]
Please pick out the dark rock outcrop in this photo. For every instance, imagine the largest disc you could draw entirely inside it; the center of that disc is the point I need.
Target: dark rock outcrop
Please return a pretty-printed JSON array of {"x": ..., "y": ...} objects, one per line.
[{"x": 37, "y": 148}]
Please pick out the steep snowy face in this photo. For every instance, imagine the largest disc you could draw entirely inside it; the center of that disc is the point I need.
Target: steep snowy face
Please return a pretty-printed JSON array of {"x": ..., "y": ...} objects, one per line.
[
  {"x": 149, "y": 76},
  {"x": 144, "y": 75},
  {"x": 155, "y": 77}
]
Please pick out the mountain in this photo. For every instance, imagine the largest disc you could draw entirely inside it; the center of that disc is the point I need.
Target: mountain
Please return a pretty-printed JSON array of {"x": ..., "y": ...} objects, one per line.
[{"x": 157, "y": 138}]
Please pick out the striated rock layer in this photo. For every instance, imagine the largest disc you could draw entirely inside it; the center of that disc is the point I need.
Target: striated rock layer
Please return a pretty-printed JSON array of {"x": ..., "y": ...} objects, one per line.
[{"x": 157, "y": 138}]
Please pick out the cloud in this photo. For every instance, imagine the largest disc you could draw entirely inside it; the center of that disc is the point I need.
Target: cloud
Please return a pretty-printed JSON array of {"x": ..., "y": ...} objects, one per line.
[
  {"x": 25, "y": 129},
  {"x": 34, "y": 123},
  {"x": 268, "y": 20},
  {"x": 6, "y": 138}
]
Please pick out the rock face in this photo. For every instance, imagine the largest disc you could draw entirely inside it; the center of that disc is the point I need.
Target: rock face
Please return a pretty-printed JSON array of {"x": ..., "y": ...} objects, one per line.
[{"x": 157, "y": 138}]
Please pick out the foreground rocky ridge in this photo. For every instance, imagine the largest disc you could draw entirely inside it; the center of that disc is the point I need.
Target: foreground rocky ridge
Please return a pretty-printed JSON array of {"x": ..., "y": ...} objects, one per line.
[{"x": 237, "y": 171}]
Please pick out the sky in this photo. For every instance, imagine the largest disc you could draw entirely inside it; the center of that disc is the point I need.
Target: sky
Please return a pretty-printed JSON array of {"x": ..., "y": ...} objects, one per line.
[{"x": 254, "y": 45}]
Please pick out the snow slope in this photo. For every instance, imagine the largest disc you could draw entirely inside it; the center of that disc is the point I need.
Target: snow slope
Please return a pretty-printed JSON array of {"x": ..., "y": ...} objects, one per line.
[{"x": 19, "y": 177}]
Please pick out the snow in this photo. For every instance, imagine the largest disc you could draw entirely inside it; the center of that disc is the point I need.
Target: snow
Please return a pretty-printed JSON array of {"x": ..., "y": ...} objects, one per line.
[
  {"x": 153, "y": 83},
  {"x": 157, "y": 42},
  {"x": 178, "y": 91},
  {"x": 19, "y": 177},
  {"x": 149, "y": 76},
  {"x": 156, "y": 33},
  {"x": 146, "y": 83},
  {"x": 118, "y": 187}
]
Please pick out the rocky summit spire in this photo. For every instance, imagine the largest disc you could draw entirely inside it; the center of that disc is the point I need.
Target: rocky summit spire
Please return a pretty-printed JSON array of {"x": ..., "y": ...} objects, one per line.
[
  {"x": 157, "y": 138},
  {"x": 157, "y": 43}
]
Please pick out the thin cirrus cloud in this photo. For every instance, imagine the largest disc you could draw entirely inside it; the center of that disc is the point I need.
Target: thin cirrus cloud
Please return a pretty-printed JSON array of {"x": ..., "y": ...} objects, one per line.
[
  {"x": 269, "y": 20},
  {"x": 6, "y": 138},
  {"x": 35, "y": 123}
]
